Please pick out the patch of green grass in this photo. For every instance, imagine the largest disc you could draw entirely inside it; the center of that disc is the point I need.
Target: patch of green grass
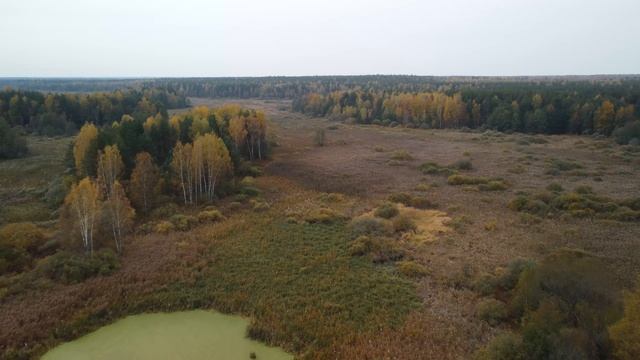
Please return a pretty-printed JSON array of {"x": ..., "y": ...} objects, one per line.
[{"x": 299, "y": 282}]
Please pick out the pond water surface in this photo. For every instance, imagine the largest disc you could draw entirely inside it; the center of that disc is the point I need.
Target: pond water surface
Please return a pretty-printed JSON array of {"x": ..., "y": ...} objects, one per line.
[{"x": 193, "y": 335}]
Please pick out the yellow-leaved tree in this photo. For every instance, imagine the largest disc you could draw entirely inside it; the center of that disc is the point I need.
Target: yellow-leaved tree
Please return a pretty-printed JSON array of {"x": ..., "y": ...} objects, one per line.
[
  {"x": 82, "y": 203},
  {"x": 110, "y": 167},
  {"x": 83, "y": 147},
  {"x": 238, "y": 131},
  {"x": 144, "y": 182},
  {"x": 604, "y": 117},
  {"x": 625, "y": 334},
  {"x": 118, "y": 214}
]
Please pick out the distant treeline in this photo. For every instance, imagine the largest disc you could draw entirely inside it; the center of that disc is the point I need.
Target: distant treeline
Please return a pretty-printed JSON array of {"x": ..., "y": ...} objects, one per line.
[
  {"x": 553, "y": 109},
  {"x": 64, "y": 113},
  {"x": 283, "y": 87}
]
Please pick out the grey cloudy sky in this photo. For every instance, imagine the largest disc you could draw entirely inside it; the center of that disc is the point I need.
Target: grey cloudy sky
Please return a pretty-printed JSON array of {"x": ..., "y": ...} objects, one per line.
[{"x": 289, "y": 37}]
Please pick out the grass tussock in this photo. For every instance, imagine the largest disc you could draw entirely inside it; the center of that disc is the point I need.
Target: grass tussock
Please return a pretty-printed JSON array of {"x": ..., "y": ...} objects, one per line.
[{"x": 580, "y": 203}]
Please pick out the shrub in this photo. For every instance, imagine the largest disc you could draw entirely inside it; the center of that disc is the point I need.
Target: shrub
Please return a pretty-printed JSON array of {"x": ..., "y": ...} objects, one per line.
[
  {"x": 68, "y": 267},
  {"x": 210, "y": 216},
  {"x": 401, "y": 155},
  {"x": 625, "y": 334},
  {"x": 366, "y": 225},
  {"x": 510, "y": 278},
  {"x": 319, "y": 137},
  {"x": 464, "y": 164},
  {"x": 25, "y": 236},
  {"x": 323, "y": 216},
  {"x": 556, "y": 166},
  {"x": 165, "y": 211},
  {"x": 248, "y": 181},
  {"x": 402, "y": 198},
  {"x": 486, "y": 284},
  {"x": 627, "y": 133},
  {"x": 250, "y": 191},
  {"x": 431, "y": 168},
  {"x": 13, "y": 259},
  {"x": 422, "y": 203},
  {"x": 57, "y": 190},
  {"x": 403, "y": 223},
  {"x": 164, "y": 227},
  {"x": 411, "y": 269},
  {"x": 493, "y": 185},
  {"x": 466, "y": 180},
  {"x": 507, "y": 346},
  {"x": 260, "y": 205},
  {"x": 362, "y": 245},
  {"x": 492, "y": 311},
  {"x": 386, "y": 211},
  {"x": 183, "y": 222},
  {"x": 12, "y": 144},
  {"x": 555, "y": 187}
]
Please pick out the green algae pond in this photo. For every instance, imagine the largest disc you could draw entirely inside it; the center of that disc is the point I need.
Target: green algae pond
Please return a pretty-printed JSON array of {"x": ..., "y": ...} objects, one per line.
[{"x": 184, "y": 335}]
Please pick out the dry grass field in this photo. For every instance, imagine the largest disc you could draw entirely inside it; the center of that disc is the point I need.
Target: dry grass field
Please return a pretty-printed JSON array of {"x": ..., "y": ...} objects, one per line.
[{"x": 286, "y": 258}]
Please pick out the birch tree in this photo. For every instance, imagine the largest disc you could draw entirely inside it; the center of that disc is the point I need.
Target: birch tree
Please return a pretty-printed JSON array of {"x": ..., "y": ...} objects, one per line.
[
  {"x": 144, "y": 182},
  {"x": 83, "y": 204}
]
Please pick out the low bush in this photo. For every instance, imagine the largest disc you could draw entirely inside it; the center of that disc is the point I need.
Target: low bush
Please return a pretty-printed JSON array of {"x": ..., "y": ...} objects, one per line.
[
  {"x": 493, "y": 185},
  {"x": 379, "y": 249},
  {"x": 432, "y": 168},
  {"x": 402, "y": 198},
  {"x": 411, "y": 269},
  {"x": 164, "y": 227},
  {"x": 13, "y": 259},
  {"x": 371, "y": 226},
  {"x": 464, "y": 164},
  {"x": 627, "y": 133},
  {"x": 319, "y": 137},
  {"x": 323, "y": 216},
  {"x": 386, "y": 211},
  {"x": 165, "y": 211},
  {"x": 183, "y": 222},
  {"x": 260, "y": 205},
  {"x": 492, "y": 311},
  {"x": 250, "y": 191},
  {"x": 507, "y": 346},
  {"x": 403, "y": 223},
  {"x": 555, "y": 187},
  {"x": 557, "y": 166},
  {"x": 466, "y": 180},
  {"x": 582, "y": 203},
  {"x": 69, "y": 267},
  {"x": 210, "y": 216},
  {"x": 401, "y": 155},
  {"x": 422, "y": 203},
  {"x": 25, "y": 235}
]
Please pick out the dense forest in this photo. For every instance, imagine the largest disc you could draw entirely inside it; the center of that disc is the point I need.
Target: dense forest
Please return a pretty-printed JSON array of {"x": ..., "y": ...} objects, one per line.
[
  {"x": 64, "y": 113},
  {"x": 577, "y": 109}
]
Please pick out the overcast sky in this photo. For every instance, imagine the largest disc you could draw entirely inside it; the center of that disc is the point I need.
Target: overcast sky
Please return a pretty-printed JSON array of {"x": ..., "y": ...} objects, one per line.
[{"x": 295, "y": 37}]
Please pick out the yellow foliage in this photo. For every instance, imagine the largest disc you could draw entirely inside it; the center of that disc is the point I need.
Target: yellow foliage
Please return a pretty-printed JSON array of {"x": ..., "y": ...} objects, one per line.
[{"x": 87, "y": 135}]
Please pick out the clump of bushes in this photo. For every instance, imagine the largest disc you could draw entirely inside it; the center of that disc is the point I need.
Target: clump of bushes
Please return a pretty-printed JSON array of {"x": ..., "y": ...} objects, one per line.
[
  {"x": 493, "y": 185},
  {"x": 69, "y": 267},
  {"x": 183, "y": 222},
  {"x": 260, "y": 205},
  {"x": 323, "y": 216},
  {"x": 580, "y": 203},
  {"x": 557, "y": 166},
  {"x": 466, "y": 180},
  {"x": 628, "y": 134},
  {"x": 210, "y": 216},
  {"x": 492, "y": 311},
  {"x": 401, "y": 155},
  {"x": 370, "y": 226},
  {"x": 25, "y": 235},
  {"x": 165, "y": 211},
  {"x": 403, "y": 223},
  {"x": 164, "y": 227},
  {"x": 411, "y": 269},
  {"x": 379, "y": 249},
  {"x": 417, "y": 202},
  {"x": 386, "y": 211},
  {"x": 432, "y": 168},
  {"x": 464, "y": 164},
  {"x": 563, "y": 304}
]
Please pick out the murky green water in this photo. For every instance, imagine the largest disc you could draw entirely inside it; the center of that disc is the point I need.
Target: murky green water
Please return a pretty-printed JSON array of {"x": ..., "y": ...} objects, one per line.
[{"x": 192, "y": 335}]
